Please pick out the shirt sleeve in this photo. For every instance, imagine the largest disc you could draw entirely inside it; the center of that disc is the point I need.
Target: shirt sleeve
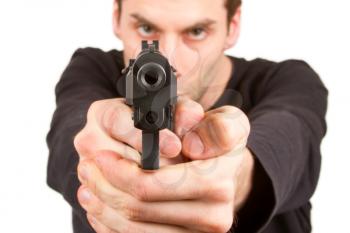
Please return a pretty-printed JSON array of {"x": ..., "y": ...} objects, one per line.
[
  {"x": 287, "y": 126},
  {"x": 84, "y": 81}
]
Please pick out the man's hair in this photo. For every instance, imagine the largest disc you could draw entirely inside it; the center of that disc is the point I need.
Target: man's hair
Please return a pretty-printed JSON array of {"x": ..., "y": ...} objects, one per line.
[{"x": 231, "y": 6}]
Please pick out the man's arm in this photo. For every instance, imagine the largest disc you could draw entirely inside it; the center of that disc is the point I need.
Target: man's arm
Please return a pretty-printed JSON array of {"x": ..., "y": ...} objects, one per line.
[
  {"x": 83, "y": 82},
  {"x": 287, "y": 126}
]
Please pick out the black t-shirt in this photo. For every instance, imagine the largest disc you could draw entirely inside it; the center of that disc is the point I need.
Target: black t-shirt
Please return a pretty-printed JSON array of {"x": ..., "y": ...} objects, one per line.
[{"x": 285, "y": 102}]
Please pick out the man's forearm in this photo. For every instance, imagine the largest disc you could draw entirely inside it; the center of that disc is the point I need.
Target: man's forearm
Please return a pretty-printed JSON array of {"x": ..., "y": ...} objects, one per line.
[{"x": 245, "y": 180}]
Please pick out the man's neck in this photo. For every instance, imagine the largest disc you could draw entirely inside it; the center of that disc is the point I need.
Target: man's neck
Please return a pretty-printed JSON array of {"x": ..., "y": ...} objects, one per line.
[{"x": 217, "y": 86}]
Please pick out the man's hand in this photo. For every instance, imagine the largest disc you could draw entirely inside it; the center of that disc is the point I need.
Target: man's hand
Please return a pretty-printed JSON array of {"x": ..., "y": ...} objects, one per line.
[
  {"x": 110, "y": 127},
  {"x": 186, "y": 197},
  {"x": 210, "y": 134},
  {"x": 214, "y": 133},
  {"x": 201, "y": 195}
]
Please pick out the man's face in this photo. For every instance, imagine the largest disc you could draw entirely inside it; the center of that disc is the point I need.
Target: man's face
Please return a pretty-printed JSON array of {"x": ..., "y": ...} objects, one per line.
[{"x": 192, "y": 34}]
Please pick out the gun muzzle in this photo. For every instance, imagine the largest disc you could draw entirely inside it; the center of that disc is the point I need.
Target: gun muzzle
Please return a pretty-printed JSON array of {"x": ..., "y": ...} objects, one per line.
[{"x": 151, "y": 90}]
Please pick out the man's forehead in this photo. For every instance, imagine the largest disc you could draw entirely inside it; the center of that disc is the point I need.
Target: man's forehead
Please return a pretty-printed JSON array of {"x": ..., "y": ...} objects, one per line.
[
  {"x": 205, "y": 22},
  {"x": 178, "y": 4},
  {"x": 181, "y": 13}
]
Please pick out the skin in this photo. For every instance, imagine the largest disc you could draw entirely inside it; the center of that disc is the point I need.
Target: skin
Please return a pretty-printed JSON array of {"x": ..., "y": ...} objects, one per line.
[{"x": 205, "y": 173}]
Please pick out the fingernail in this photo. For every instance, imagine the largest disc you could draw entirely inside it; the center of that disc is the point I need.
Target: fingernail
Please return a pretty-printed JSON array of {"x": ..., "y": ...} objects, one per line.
[
  {"x": 194, "y": 143},
  {"x": 83, "y": 172},
  {"x": 85, "y": 195},
  {"x": 92, "y": 219}
]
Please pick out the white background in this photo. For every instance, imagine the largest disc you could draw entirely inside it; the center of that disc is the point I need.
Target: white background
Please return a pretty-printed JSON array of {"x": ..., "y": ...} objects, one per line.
[{"x": 37, "y": 38}]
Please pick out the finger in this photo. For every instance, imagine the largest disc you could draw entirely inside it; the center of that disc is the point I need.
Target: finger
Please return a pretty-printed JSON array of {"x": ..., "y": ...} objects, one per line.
[
  {"x": 97, "y": 225},
  {"x": 171, "y": 161},
  {"x": 188, "y": 113},
  {"x": 91, "y": 177},
  {"x": 169, "y": 144},
  {"x": 103, "y": 217},
  {"x": 159, "y": 212},
  {"x": 116, "y": 120},
  {"x": 192, "y": 180},
  {"x": 222, "y": 130},
  {"x": 92, "y": 138},
  {"x": 194, "y": 215},
  {"x": 88, "y": 142},
  {"x": 188, "y": 213}
]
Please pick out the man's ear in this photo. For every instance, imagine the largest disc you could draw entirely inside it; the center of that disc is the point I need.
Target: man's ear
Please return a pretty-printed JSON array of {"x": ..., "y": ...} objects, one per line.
[
  {"x": 115, "y": 19},
  {"x": 234, "y": 29}
]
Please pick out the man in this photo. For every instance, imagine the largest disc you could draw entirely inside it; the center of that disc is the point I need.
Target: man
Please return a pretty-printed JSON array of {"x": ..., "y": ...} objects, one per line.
[{"x": 245, "y": 152}]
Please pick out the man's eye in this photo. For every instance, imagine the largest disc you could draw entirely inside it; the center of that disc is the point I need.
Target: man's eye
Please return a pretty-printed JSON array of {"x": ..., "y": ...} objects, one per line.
[
  {"x": 197, "y": 33},
  {"x": 145, "y": 30}
]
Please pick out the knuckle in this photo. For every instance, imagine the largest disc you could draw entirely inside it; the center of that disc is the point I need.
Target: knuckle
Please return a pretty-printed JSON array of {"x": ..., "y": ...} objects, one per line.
[
  {"x": 132, "y": 211},
  {"x": 228, "y": 109},
  {"x": 221, "y": 226},
  {"x": 231, "y": 111},
  {"x": 220, "y": 219},
  {"x": 180, "y": 115},
  {"x": 116, "y": 120},
  {"x": 220, "y": 132},
  {"x": 185, "y": 106},
  {"x": 83, "y": 140},
  {"x": 93, "y": 108},
  {"x": 193, "y": 106},
  {"x": 228, "y": 127},
  {"x": 237, "y": 114},
  {"x": 140, "y": 190},
  {"x": 204, "y": 186},
  {"x": 77, "y": 142},
  {"x": 200, "y": 181},
  {"x": 115, "y": 201},
  {"x": 130, "y": 227},
  {"x": 222, "y": 191},
  {"x": 79, "y": 169},
  {"x": 226, "y": 223},
  {"x": 78, "y": 193},
  {"x": 180, "y": 108},
  {"x": 110, "y": 117},
  {"x": 200, "y": 220},
  {"x": 96, "y": 209},
  {"x": 245, "y": 124}
]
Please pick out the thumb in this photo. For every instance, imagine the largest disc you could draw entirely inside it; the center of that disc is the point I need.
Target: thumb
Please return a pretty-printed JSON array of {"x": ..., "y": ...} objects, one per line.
[{"x": 188, "y": 113}]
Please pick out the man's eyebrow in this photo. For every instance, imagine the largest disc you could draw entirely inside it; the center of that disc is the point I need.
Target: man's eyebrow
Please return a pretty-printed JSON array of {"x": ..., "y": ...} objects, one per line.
[{"x": 201, "y": 23}]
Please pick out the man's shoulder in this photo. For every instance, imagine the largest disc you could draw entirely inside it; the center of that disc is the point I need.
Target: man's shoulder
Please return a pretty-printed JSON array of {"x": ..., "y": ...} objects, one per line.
[
  {"x": 261, "y": 69},
  {"x": 107, "y": 61},
  {"x": 95, "y": 52},
  {"x": 263, "y": 64}
]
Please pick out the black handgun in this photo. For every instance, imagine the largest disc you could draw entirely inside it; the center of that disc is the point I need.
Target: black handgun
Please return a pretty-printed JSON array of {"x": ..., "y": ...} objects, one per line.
[{"x": 151, "y": 90}]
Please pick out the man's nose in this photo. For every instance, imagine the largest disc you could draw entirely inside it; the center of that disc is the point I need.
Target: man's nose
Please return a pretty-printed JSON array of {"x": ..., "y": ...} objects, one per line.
[{"x": 168, "y": 45}]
